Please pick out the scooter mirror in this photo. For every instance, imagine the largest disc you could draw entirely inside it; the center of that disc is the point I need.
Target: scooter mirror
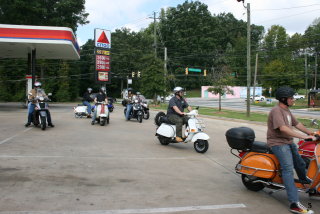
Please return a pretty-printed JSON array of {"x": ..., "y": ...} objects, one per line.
[{"x": 197, "y": 107}]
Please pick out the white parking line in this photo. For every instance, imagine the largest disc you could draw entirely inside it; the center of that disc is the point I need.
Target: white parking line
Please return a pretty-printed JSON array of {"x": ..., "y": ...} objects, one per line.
[
  {"x": 136, "y": 211},
  {"x": 5, "y": 140}
]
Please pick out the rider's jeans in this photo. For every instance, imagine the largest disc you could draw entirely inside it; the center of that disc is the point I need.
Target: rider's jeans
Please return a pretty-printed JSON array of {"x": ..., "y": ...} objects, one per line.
[
  {"x": 94, "y": 116},
  {"x": 31, "y": 107},
  {"x": 129, "y": 109},
  {"x": 289, "y": 158},
  {"x": 86, "y": 103}
]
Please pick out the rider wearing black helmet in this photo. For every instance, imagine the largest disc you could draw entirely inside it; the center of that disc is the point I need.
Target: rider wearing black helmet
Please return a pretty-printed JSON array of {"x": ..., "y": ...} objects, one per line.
[
  {"x": 280, "y": 136},
  {"x": 87, "y": 99}
]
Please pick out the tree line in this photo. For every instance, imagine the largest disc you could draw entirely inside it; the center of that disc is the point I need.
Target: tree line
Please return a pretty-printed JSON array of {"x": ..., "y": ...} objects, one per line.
[{"x": 192, "y": 36}]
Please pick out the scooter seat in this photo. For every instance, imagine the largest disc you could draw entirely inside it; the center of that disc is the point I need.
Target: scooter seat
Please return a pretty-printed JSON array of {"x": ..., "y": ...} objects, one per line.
[
  {"x": 166, "y": 120},
  {"x": 261, "y": 147}
]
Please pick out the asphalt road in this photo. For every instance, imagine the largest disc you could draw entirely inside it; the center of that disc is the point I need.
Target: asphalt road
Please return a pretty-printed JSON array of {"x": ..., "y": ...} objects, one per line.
[{"x": 121, "y": 168}]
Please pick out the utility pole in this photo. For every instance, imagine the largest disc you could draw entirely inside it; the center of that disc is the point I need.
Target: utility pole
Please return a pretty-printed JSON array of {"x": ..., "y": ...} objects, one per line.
[
  {"x": 306, "y": 71},
  {"x": 255, "y": 78},
  {"x": 155, "y": 34},
  {"x": 165, "y": 66},
  {"x": 248, "y": 60},
  {"x": 315, "y": 71}
]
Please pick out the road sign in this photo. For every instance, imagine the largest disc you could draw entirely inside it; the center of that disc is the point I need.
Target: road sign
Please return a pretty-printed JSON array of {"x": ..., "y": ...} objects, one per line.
[
  {"x": 102, "y": 63},
  {"x": 103, "y": 76},
  {"x": 194, "y": 69},
  {"x": 102, "y": 38}
]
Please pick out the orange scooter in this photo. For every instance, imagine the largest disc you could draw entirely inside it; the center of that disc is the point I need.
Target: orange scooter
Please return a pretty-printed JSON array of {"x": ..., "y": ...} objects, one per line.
[{"x": 259, "y": 167}]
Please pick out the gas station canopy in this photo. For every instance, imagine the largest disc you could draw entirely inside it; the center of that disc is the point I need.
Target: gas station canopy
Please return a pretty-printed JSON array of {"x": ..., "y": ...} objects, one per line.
[{"x": 17, "y": 41}]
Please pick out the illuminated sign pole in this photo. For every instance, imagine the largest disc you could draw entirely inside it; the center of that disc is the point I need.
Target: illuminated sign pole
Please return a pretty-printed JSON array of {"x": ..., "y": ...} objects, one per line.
[{"x": 102, "y": 40}]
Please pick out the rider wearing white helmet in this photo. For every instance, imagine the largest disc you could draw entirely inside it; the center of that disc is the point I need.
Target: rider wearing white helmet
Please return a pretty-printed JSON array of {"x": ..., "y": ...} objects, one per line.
[
  {"x": 36, "y": 91},
  {"x": 175, "y": 111}
]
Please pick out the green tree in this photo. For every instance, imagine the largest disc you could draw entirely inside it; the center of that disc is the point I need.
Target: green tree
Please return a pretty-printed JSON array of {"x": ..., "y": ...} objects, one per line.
[
  {"x": 221, "y": 81},
  {"x": 152, "y": 76},
  {"x": 63, "y": 93},
  {"x": 66, "y": 13},
  {"x": 275, "y": 43}
]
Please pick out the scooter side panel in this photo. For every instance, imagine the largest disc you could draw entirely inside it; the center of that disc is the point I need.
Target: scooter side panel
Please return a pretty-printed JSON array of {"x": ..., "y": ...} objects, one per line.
[
  {"x": 167, "y": 130},
  {"x": 316, "y": 168},
  {"x": 258, "y": 164},
  {"x": 201, "y": 136},
  {"x": 80, "y": 109}
]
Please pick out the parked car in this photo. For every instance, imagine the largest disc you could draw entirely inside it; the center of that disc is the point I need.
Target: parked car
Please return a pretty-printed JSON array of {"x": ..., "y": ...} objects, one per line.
[
  {"x": 298, "y": 96},
  {"x": 258, "y": 98},
  {"x": 167, "y": 98}
]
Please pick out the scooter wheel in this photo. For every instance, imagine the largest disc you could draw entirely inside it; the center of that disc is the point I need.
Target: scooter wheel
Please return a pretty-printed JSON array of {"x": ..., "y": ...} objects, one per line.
[
  {"x": 146, "y": 115},
  {"x": 163, "y": 140},
  {"x": 201, "y": 146},
  {"x": 157, "y": 118},
  {"x": 247, "y": 181}
]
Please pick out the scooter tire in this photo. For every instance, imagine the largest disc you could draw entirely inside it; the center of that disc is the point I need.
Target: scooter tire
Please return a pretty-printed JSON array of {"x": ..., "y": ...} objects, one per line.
[
  {"x": 157, "y": 118},
  {"x": 43, "y": 123},
  {"x": 140, "y": 118},
  {"x": 146, "y": 115},
  {"x": 102, "y": 122},
  {"x": 247, "y": 181},
  {"x": 201, "y": 146},
  {"x": 108, "y": 120},
  {"x": 163, "y": 140}
]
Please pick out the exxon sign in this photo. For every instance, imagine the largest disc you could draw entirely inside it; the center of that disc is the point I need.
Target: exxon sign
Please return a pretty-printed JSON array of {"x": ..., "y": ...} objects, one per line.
[{"x": 102, "y": 38}]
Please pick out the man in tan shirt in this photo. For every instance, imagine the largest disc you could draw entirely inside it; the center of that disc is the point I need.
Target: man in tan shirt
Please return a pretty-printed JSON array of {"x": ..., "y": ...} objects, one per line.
[{"x": 280, "y": 136}]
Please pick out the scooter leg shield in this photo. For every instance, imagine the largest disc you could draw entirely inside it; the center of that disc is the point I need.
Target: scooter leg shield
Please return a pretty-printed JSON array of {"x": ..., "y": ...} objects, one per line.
[{"x": 259, "y": 165}]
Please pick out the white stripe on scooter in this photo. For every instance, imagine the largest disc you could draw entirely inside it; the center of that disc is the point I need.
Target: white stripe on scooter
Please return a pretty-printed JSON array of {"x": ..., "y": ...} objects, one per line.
[
  {"x": 136, "y": 211},
  {"x": 6, "y": 140}
]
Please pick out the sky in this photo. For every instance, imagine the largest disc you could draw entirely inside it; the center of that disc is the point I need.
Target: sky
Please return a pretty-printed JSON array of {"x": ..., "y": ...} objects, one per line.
[{"x": 294, "y": 15}]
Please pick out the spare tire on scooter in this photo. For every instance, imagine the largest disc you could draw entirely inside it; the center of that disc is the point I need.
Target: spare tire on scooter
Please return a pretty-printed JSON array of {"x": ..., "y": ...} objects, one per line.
[{"x": 157, "y": 119}]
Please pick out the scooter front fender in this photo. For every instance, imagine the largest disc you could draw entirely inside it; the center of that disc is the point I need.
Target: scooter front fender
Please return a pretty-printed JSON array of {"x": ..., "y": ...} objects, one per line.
[
  {"x": 43, "y": 113},
  {"x": 200, "y": 136}
]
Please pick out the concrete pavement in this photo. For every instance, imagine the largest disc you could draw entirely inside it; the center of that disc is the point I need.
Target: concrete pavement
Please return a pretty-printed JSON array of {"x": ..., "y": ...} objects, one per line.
[{"x": 121, "y": 168}]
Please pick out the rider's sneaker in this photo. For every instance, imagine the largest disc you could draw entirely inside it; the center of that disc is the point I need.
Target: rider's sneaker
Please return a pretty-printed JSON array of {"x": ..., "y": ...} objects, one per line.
[
  {"x": 92, "y": 122},
  {"x": 27, "y": 124},
  {"x": 51, "y": 125},
  {"x": 299, "y": 208},
  {"x": 306, "y": 181},
  {"x": 179, "y": 139}
]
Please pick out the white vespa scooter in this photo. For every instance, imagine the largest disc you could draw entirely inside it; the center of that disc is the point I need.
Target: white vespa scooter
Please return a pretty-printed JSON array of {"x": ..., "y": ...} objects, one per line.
[
  {"x": 102, "y": 113},
  {"x": 166, "y": 131}
]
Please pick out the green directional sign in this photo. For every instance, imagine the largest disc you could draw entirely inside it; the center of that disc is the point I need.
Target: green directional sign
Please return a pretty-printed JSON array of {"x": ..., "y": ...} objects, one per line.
[{"x": 195, "y": 69}]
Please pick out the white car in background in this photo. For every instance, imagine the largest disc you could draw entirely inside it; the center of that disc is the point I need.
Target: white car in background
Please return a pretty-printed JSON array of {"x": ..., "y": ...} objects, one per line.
[
  {"x": 167, "y": 98},
  {"x": 298, "y": 96},
  {"x": 258, "y": 98}
]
